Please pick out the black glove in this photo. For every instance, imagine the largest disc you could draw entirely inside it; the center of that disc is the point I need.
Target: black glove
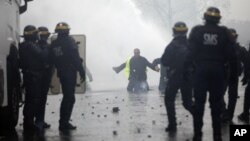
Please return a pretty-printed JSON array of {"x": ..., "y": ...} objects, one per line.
[
  {"x": 244, "y": 81},
  {"x": 83, "y": 78}
]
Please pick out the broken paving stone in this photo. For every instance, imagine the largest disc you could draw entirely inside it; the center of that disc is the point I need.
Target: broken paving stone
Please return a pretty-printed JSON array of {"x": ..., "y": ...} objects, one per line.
[
  {"x": 52, "y": 112},
  {"x": 116, "y": 109},
  {"x": 153, "y": 122},
  {"x": 138, "y": 130},
  {"x": 114, "y": 132},
  {"x": 186, "y": 115}
]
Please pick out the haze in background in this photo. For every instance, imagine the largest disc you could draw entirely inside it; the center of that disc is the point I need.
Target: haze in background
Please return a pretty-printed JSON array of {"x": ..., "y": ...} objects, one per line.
[{"x": 115, "y": 27}]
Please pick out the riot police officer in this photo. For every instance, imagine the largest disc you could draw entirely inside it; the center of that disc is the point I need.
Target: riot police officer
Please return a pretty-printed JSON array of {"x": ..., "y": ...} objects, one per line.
[
  {"x": 241, "y": 54},
  {"x": 174, "y": 58},
  {"x": 211, "y": 47},
  {"x": 44, "y": 34},
  {"x": 244, "y": 116},
  {"x": 31, "y": 63},
  {"x": 67, "y": 61}
]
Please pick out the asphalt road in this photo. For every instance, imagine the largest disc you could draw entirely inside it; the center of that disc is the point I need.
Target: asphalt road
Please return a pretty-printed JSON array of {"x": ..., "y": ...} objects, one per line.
[{"x": 137, "y": 117}]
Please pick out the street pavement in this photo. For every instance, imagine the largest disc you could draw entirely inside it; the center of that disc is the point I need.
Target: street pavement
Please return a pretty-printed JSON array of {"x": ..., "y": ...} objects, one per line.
[{"x": 115, "y": 115}]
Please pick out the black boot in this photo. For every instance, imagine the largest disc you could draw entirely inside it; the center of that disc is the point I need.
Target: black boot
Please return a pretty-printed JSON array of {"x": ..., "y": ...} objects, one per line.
[
  {"x": 171, "y": 128},
  {"x": 66, "y": 126},
  {"x": 244, "y": 117}
]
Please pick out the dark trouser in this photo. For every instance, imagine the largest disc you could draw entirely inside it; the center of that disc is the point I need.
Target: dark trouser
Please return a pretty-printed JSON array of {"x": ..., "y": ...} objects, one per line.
[
  {"x": 170, "y": 94},
  {"x": 68, "y": 82},
  {"x": 211, "y": 80},
  {"x": 232, "y": 98},
  {"x": 32, "y": 84},
  {"x": 162, "y": 84},
  {"x": 246, "y": 106},
  {"x": 46, "y": 78},
  {"x": 137, "y": 86}
]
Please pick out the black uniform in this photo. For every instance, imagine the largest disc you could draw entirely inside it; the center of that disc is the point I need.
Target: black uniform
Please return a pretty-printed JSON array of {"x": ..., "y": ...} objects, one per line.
[
  {"x": 31, "y": 63},
  {"x": 163, "y": 75},
  {"x": 66, "y": 58},
  {"x": 244, "y": 116},
  {"x": 174, "y": 58},
  {"x": 137, "y": 75},
  {"x": 210, "y": 49},
  {"x": 46, "y": 78},
  {"x": 241, "y": 54}
]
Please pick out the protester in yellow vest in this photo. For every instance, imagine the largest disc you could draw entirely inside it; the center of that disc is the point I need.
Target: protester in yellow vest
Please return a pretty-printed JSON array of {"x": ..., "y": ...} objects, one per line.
[{"x": 135, "y": 69}]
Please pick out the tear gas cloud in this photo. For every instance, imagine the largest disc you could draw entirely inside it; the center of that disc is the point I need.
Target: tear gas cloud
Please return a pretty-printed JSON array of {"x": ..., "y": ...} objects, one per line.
[{"x": 113, "y": 29}]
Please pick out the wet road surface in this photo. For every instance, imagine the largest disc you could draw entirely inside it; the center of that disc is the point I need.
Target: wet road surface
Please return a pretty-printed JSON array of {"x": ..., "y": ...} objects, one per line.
[{"x": 136, "y": 117}]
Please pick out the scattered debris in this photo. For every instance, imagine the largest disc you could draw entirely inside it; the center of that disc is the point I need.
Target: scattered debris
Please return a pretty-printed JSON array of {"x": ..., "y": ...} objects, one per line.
[
  {"x": 149, "y": 136},
  {"x": 52, "y": 112},
  {"x": 114, "y": 132},
  {"x": 117, "y": 122},
  {"x": 180, "y": 123},
  {"x": 105, "y": 116},
  {"x": 138, "y": 130},
  {"x": 116, "y": 109},
  {"x": 92, "y": 113},
  {"x": 82, "y": 114},
  {"x": 153, "y": 122},
  {"x": 93, "y": 107},
  {"x": 98, "y": 115}
]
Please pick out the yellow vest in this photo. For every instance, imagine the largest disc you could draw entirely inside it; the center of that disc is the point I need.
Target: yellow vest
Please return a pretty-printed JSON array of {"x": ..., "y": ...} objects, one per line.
[{"x": 127, "y": 67}]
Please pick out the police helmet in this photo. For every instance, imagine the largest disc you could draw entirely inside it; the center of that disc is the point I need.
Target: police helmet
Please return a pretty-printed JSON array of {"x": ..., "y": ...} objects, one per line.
[
  {"x": 62, "y": 27},
  {"x": 30, "y": 32},
  {"x": 212, "y": 14},
  {"x": 180, "y": 28},
  {"x": 43, "y": 32},
  {"x": 233, "y": 32}
]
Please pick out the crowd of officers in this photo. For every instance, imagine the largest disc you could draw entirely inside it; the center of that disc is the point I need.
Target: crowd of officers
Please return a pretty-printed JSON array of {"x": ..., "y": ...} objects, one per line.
[
  {"x": 37, "y": 58},
  {"x": 209, "y": 60}
]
